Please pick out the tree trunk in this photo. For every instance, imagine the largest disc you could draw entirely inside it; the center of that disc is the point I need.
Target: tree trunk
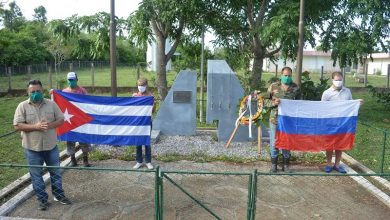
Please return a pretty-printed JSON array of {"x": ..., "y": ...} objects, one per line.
[
  {"x": 162, "y": 87},
  {"x": 257, "y": 70}
]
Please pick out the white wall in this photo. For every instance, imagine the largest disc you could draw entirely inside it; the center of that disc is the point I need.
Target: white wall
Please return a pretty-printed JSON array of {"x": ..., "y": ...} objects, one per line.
[
  {"x": 151, "y": 56},
  {"x": 309, "y": 63},
  {"x": 378, "y": 64}
]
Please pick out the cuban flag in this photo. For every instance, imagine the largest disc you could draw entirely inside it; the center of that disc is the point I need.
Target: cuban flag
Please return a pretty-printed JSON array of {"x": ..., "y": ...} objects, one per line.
[
  {"x": 105, "y": 120},
  {"x": 316, "y": 125}
]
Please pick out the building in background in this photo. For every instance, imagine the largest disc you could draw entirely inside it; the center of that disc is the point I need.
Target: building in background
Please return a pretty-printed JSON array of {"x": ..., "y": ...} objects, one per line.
[
  {"x": 313, "y": 61},
  {"x": 151, "y": 56}
]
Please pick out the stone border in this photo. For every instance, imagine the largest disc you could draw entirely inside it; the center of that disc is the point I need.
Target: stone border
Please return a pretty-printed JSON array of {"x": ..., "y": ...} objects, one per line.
[
  {"x": 27, "y": 192},
  {"x": 375, "y": 191}
]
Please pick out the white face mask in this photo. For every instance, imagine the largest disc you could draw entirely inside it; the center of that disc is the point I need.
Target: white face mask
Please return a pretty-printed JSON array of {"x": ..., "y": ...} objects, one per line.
[
  {"x": 338, "y": 84},
  {"x": 141, "y": 89}
]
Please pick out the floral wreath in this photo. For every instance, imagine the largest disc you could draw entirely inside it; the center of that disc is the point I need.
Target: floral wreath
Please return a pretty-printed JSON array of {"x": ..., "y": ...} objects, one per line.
[{"x": 245, "y": 105}]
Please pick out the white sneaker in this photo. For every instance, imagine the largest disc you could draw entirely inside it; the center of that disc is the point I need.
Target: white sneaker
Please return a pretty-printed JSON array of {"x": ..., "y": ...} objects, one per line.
[
  {"x": 149, "y": 166},
  {"x": 137, "y": 165}
]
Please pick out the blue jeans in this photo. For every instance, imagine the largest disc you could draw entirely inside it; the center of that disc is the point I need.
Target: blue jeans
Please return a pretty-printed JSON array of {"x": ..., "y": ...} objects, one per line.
[
  {"x": 273, "y": 150},
  {"x": 148, "y": 154},
  {"x": 51, "y": 158}
]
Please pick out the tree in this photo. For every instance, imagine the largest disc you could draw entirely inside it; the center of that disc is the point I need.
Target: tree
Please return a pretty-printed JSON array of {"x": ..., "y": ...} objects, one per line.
[
  {"x": 12, "y": 18},
  {"x": 357, "y": 29},
  {"x": 162, "y": 20},
  {"x": 261, "y": 28},
  {"x": 23, "y": 47},
  {"x": 189, "y": 54},
  {"x": 88, "y": 34},
  {"x": 40, "y": 14}
]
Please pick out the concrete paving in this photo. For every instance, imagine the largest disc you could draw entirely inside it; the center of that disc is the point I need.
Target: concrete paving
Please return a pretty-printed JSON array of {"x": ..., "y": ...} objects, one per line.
[{"x": 129, "y": 195}]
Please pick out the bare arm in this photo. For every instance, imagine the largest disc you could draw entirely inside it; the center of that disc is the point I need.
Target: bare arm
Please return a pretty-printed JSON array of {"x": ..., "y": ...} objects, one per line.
[
  {"x": 40, "y": 126},
  {"x": 55, "y": 124}
]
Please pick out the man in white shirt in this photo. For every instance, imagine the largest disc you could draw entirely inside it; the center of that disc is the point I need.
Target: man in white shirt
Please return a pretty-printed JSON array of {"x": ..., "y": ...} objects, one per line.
[{"x": 336, "y": 92}]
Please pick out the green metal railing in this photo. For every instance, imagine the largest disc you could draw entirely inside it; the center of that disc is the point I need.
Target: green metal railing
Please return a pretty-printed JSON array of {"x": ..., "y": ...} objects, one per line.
[
  {"x": 371, "y": 147},
  {"x": 161, "y": 175}
]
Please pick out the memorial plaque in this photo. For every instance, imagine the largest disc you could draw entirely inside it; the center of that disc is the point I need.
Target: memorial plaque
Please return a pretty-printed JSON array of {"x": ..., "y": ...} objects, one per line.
[{"x": 182, "y": 96}]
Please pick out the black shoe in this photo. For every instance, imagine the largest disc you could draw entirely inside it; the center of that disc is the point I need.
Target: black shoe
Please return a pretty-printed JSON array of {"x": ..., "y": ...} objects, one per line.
[
  {"x": 73, "y": 161},
  {"x": 63, "y": 200},
  {"x": 43, "y": 206},
  {"x": 286, "y": 165},
  {"x": 274, "y": 165}
]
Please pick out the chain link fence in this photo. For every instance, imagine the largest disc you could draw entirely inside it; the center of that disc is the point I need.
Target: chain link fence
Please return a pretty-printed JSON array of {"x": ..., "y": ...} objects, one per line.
[
  {"x": 372, "y": 148},
  {"x": 90, "y": 73}
]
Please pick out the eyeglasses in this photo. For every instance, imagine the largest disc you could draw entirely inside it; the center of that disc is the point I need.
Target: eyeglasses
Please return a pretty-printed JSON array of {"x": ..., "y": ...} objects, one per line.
[{"x": 35, "y": 91}]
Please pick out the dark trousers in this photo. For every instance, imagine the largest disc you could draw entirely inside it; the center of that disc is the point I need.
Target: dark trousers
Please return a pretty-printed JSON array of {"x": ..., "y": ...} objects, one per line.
[{"x": 148, "y": 154}]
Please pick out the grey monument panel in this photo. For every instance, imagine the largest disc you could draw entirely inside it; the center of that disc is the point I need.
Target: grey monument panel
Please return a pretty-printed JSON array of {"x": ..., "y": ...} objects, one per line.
[
  {"x": 224, "y": 92},
  {"x": 177, "y": 114}
]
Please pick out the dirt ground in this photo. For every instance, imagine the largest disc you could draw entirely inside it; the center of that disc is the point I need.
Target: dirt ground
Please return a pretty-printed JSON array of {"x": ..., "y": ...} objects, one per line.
[{"x": 129, "y": 195}]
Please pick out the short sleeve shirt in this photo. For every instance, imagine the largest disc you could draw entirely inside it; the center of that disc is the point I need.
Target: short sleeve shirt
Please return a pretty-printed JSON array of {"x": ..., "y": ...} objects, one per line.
[
  {"x": 333, "y": 94},
  {"x": 28, "y": 113}
]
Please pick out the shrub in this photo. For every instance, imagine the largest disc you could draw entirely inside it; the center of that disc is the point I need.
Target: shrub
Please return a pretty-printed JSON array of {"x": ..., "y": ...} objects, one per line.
[
  {"x": 311, "y": 90},
  {"x": 382, "y": 95},
  {"x": 378, "y": 72}
]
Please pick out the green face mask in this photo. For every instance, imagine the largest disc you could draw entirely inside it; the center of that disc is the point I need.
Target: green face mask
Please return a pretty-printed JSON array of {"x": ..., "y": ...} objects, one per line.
[
  {"x": 36, "y": 96},
  {"x": 287, "y": 80},
  {"x": 72, "y": 83}
]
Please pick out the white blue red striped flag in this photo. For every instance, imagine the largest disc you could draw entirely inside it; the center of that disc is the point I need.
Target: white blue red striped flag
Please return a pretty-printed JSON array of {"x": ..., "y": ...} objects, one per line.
[
  {"x": 316, "y": 125},
  {"x": 105, "y": 120}
]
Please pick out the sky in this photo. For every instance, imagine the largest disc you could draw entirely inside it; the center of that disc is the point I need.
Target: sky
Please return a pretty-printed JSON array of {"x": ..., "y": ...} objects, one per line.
[{"x": 60, "y": 9}]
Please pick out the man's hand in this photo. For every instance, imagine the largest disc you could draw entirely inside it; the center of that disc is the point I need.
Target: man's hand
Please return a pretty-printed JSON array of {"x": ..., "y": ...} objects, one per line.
[
  {"x": 275, "y": 101},
  {"x": 361, "y": 101},
  {"x": 42, "y": 126}
]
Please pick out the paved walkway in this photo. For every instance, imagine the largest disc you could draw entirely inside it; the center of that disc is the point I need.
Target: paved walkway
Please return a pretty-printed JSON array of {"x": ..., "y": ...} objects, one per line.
[{"x": 129, "y": 195}]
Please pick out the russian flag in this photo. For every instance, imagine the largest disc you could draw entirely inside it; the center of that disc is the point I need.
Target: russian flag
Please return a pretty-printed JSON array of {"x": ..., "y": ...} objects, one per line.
[
  {"x": 316, "y": 125},
  {"x": 105, "y": 120}
]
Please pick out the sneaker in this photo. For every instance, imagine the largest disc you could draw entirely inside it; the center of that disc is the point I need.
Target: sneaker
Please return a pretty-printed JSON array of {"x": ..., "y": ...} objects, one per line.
[
  {"x": 137, "y": 165},
  {"x": 43, "y": 206},
  {"x": 340, "y": 169},
  {"x": 149, "y": 166},
  {"x": 328, "y": 169},
  {"x": 63, "y": 200}
]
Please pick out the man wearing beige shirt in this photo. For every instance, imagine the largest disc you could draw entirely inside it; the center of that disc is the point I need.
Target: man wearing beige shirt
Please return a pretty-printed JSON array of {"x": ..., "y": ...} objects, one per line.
[{"x": 37, "y": 118}]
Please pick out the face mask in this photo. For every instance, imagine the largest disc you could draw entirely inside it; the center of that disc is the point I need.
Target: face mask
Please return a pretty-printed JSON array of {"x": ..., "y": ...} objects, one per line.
[
  {"x": 141, "y": 89},
  {"x": 36, "y": 96},
  {"x": 338, "y": 84},
  {"x": 287, "y": 80},
  {"x": 72, "y": 83}
]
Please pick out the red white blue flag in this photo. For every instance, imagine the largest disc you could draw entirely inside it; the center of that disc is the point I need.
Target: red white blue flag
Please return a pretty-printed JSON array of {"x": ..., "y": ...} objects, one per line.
[
  {"x": 316, "y": 125},
  {"x": 105, "y": 120}
]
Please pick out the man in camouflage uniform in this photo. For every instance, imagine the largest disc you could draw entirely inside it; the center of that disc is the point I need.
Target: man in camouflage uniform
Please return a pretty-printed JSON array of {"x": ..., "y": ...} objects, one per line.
[{"x": 284, "y": 89}]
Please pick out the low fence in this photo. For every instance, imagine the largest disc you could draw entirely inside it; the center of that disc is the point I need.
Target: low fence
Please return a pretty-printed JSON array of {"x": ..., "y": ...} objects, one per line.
[
  {"x": 372, "y": 148},
  {"x": 168, "y": 194},
  {"x": 90, "y": 73}
]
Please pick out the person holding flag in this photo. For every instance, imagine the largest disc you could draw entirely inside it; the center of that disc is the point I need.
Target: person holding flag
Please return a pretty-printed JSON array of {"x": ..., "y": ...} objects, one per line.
[
  {"x": 142, "y": 84},
  {"x": 283, "y": 89},
  {"x": 336, "y": 92},
  {"x": 73, "y": 87}
]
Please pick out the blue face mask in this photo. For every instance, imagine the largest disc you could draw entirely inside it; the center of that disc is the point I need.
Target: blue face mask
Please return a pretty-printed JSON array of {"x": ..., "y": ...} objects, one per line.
[
  {"x": 36, "y": 97},
  {"x": 287, "y": 80}
]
